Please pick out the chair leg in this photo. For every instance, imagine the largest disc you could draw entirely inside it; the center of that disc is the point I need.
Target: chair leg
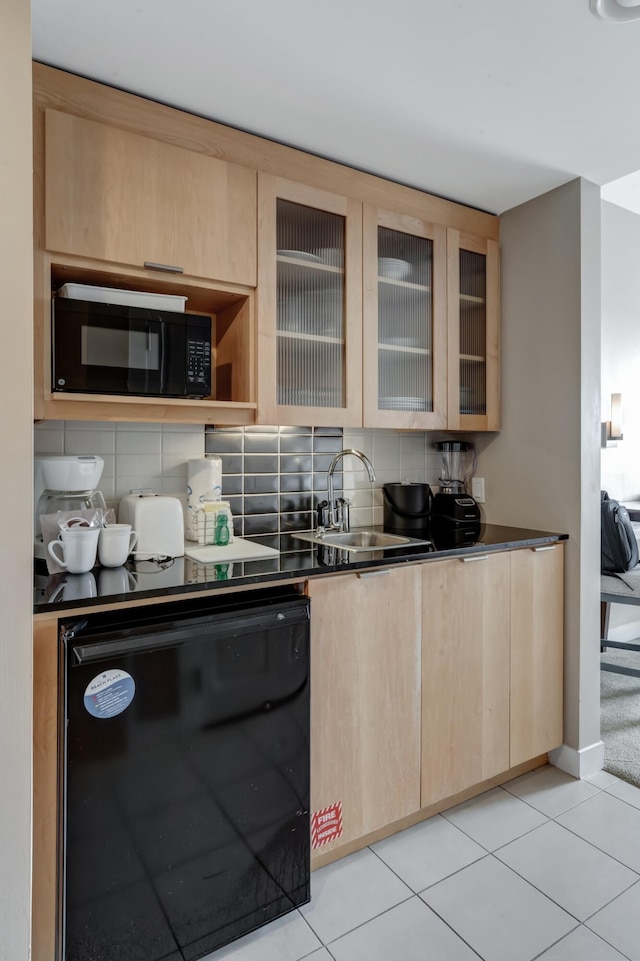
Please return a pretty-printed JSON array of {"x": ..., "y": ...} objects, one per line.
[{"x": 604, "y": 624}]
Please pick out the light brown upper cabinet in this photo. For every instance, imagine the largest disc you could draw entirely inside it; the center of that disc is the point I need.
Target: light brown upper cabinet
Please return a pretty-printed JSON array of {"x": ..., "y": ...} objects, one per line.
[
  {"x": 405, "y": 318},
  {"x": 309, "y": 305},
  {"x": 473, "y": 332},
  {"x": 116, "y": 196},
  {"x": 370, "y": 317},
  {"x": 337, "y": 298}
]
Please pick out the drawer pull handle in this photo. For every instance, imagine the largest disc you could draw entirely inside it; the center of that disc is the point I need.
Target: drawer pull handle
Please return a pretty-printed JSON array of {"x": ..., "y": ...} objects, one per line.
[
  {"x": 168, "y": 268},
  {"x": 474, "y": 557},
  {"x": 549, "y": 547},
  {"x": 373, "y": 573}
]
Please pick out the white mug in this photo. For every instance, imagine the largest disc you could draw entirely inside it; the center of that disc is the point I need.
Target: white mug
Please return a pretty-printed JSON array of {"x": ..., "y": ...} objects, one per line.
[
  {"x": 78, "y": 547},
  {"x": 116, "y": 580},
  {"x": 116, "y": 543}
]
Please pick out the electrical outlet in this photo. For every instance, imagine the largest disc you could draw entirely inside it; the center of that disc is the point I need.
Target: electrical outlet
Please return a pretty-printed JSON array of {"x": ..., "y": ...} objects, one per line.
[{"x": 477, "y": 489}]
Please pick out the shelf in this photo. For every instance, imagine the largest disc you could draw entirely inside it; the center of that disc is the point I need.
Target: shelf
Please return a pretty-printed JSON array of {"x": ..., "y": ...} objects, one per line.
[
  {"x": 300, "y": 273},
  {"x": 415, "y": 405},
  {"x": 181, "y": 410},
  {"x": 470, "y": 299},
  {"x": 313, "y": 264},
  {"x": 313, "y": 338},
  {"x": 203, "y": 296},
  {"x": 152, "y": 401},
  {"x": 389, "y": 282},
  {"x": 473, "y": 358},
  {"x": 309, "y": 397},
  {"x": 399, "y": 348},
  {"x": 231, "y": 311}
]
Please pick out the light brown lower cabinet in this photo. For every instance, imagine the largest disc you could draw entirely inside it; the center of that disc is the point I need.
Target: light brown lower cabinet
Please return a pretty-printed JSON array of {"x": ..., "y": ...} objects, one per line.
[
  {"x": 465, "y": 673},
  {"x": 365, "y": 698},
  {"x": 492, "y": 662},
  {"x": 537, "y": 627},
  {"x": 430, "y": 680}
]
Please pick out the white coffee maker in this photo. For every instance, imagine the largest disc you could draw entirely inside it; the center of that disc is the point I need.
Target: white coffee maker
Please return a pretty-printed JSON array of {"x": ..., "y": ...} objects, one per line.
[{"x": 65, "y": 483}]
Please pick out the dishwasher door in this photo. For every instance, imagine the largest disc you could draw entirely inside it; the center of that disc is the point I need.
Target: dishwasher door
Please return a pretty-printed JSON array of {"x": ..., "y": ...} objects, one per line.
[{"x": 186, "y": 775}]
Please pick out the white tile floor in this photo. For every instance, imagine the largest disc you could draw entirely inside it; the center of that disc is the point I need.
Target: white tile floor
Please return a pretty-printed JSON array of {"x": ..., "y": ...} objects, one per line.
[{"x": 545, "y": 867}]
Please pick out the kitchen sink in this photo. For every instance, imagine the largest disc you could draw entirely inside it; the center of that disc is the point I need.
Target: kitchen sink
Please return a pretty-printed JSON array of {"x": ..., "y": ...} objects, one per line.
[{"x": 358, "y": 540}]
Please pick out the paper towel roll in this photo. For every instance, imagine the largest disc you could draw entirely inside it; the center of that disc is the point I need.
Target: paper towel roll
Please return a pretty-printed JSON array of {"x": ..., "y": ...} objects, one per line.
[{"x": 204, "y": 482}]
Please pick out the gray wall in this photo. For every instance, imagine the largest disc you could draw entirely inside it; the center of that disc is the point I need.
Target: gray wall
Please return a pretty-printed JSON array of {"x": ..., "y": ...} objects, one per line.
[
  {"x": 542, "y": 470},
  {"x": 16, "y": 416}
]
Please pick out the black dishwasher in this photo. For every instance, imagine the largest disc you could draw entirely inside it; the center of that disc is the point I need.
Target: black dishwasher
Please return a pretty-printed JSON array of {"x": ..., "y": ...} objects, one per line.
[{"x": 185, "y": 774}]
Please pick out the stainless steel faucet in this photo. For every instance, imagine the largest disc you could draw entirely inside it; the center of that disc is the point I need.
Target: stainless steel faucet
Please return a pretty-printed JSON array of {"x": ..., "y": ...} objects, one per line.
[{"x": 337, "y": 517}]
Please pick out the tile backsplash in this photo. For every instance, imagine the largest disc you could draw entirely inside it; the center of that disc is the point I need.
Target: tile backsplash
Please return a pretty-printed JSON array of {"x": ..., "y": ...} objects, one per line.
[
  {"x": 274, "y": 477},
  {"x": 135, "y": 455}
]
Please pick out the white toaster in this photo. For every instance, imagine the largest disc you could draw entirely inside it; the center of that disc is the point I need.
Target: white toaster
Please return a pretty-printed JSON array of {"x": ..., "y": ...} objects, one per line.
[{"x": 159, "y": 523}]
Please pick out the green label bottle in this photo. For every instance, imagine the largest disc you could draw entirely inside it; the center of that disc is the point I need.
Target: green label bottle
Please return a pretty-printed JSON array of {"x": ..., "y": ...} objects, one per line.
[{"x": 222, "y": 529}]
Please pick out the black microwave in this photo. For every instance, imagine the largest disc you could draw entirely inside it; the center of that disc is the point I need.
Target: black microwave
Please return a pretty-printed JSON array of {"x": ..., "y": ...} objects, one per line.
[{"x": 113, "y": 349}]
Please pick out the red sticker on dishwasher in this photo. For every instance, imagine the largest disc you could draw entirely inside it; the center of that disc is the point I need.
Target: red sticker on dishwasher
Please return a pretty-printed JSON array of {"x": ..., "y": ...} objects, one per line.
[
  {"x": 109, "y": 693},
  {"x": 326, "y": 825}
]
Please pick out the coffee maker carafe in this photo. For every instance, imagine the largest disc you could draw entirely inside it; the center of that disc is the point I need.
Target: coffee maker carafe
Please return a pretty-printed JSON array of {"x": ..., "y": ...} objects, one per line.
[
  {"x": 453, "y": 504},
  {"x": 65, "y": 483}
]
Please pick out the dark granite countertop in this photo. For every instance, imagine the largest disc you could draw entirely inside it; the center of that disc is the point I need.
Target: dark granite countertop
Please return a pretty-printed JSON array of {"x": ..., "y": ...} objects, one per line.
[{"x": 296, "y": 561}]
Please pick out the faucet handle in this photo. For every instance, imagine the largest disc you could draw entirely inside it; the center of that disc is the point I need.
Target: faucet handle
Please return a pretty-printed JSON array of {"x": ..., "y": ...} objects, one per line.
[{"x": 322, "y": 512}]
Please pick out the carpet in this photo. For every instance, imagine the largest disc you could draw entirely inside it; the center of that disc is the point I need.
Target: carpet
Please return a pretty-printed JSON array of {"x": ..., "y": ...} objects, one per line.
[{"x": 620, "y": 717}]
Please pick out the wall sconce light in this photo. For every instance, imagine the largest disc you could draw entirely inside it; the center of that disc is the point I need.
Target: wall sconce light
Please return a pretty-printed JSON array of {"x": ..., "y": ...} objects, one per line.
[{"x": 611, "y": 430}]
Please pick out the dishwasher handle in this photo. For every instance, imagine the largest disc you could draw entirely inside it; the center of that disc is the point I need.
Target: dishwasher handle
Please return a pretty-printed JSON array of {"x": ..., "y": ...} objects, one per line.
[{"x": 123, "y": 643}]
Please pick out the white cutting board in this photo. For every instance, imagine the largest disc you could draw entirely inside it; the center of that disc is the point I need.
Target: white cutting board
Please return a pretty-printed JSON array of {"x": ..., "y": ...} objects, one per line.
[{"x": 239, "y": 550}]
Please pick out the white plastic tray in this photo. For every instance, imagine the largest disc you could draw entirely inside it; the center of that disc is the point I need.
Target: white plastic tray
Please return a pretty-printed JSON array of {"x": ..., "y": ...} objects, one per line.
[
  {"x": 125, "y": 298},
  {"x": 240, "y": 550}
]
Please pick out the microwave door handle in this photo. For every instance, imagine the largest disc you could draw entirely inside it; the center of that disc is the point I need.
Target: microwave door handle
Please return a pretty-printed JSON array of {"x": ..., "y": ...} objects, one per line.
[{"x": 164, "y": 359}]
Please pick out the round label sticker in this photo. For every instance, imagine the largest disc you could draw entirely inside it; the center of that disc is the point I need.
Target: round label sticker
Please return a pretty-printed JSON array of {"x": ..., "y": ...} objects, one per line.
[{"x": 109, "y": 693}]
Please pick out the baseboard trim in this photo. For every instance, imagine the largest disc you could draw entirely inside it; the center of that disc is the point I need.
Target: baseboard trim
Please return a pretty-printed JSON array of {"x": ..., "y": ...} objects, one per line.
[{"x": 579, "y": 764}]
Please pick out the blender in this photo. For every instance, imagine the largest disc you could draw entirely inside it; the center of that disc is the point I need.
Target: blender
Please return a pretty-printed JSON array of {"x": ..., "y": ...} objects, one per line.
[
  {"x": 452, "y": 504},
  {"x": 65, "y": 483}
]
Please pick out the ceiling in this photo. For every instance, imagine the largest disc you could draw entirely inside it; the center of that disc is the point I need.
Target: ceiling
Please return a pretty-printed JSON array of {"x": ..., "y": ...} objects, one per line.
[{"x": 487, "y": 102}]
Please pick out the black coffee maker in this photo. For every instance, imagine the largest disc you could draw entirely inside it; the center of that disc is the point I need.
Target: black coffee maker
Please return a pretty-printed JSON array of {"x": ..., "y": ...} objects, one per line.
[
  {"x": 452, "y": 504},
  {"x": 407, "y": 508}
]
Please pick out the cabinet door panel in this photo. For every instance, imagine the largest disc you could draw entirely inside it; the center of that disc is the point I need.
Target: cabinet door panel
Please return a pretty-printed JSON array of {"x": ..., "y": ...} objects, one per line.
[
  {"x": 365, "y": 698},
  {"x": 309, "y": 305},
  {"x": 120, "y": 197},
  {"x": 536, "y": 651},
  {"x": 465, "y": 673},
  {"x": 473, "y": 333},
  {"x": 404, "y": 321}
]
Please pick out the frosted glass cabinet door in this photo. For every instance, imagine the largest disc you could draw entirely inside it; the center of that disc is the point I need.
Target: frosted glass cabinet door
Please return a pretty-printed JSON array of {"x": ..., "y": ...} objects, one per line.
[
  {"x": 405, "y": 321},
  {"x": 309, "y": 306},
  {"x": 473, "y": 333}
]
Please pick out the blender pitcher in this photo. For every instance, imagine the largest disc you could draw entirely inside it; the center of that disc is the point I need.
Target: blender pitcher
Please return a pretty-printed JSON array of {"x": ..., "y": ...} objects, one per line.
[{"x": 458, "y": 465}]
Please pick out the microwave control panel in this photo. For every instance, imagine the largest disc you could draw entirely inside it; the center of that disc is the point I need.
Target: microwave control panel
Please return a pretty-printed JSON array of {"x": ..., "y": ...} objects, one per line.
[{"x": 198, "y": 362}]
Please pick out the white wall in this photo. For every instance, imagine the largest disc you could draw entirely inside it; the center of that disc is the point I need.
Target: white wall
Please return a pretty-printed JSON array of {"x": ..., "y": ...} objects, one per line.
[
  {"x": 542, "y": 469},
  {"x": 16, "y": 390},
  {"x": 621, "y": 346},
  {"x": 620, "y": 464}
]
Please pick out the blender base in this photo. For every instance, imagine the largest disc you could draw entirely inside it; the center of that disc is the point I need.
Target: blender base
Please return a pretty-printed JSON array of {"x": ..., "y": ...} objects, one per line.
[{"x": 455, "y": 508}]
